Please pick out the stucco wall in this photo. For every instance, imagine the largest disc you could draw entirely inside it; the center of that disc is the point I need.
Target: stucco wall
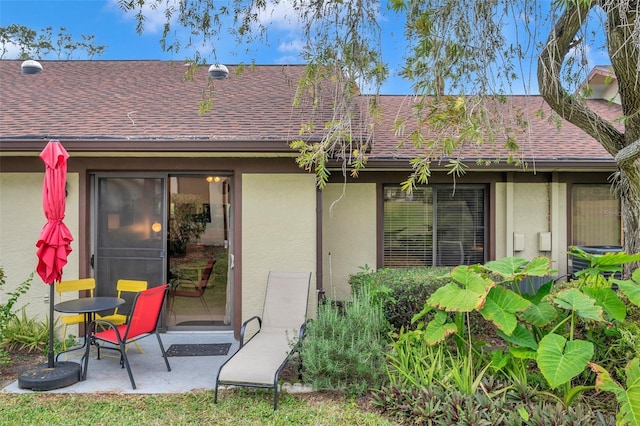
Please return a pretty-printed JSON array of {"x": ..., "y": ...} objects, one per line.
[
  {"x": 22, "y": 221},
  {"x": 528, "y": 209},
  {"x": 278, "y": 233},
  {"x": 349, "y": 235}
]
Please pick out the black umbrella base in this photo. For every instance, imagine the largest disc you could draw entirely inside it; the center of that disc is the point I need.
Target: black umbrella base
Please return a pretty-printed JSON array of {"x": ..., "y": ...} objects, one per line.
[{"x": 43, "y": 378}]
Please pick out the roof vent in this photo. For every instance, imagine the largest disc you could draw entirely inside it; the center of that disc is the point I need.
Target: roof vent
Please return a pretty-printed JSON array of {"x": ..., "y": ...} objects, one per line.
[
  {"x": 218, "y": 72},
  {"x": 30, "y": 67}
]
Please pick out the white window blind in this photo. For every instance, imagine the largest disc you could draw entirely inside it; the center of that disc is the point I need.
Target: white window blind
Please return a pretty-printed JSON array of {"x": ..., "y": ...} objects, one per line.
[{"x": 434, "y": 226}]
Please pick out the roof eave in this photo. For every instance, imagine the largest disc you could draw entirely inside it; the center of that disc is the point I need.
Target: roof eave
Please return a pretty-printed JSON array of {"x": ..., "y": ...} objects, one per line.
[
  {"x": 149, "y": 145},
  {"x": 548, "y": 165}
]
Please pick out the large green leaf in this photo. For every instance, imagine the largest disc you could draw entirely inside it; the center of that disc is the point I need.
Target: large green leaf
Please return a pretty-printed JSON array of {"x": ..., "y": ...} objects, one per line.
[
  {"x": 583, "y": 305},
  {"x": 538, "y": 267},
  {"x": 629, "y": 398},
  {"x": 540, "y": 314},
  {"x": 469, "y": 296},
  {"x": 630, "y": 288},
  {"x": 604, "y": 261},
  {"x": 507, "y": 266},
  {"x": 613, "y": 259},
  {"x": 542, "y": 292},
  {"x": 609, "y": 301},
  {"x": 501, "y": 306},
  {"x": 598, "y": 264},
  {"x": 521, "y": 336},
  {"x": 560, "y": 360},
  {"x": 438, "y": 328},
  {"x": 512, "y": 267},
  {"x": 522, "y": 353}
]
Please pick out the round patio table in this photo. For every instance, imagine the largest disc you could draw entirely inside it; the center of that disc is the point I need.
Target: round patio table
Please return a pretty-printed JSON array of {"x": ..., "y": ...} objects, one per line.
[{"x": 87, "y": 306}]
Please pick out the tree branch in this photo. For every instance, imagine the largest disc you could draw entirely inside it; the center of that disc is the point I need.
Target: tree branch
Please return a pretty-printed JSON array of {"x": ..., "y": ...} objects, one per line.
[
  {"x": 628, "y": 155},
  {"x": 550, "y": 62}
]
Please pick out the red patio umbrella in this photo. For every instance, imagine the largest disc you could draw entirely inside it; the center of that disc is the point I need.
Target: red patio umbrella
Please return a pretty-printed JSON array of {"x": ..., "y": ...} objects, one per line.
[{"x": 54, "y": 243}]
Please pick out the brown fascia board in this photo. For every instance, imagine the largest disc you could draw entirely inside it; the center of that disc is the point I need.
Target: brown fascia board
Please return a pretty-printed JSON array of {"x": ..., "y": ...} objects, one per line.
[
  {"x": 587, "y": 165},
  {"x": 103, "y": 144}
]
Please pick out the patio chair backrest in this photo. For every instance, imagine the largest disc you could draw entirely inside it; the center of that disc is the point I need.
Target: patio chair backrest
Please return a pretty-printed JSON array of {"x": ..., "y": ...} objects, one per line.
[
  {"x": 286, "y": 299},
  {"x": 204, "y": 280},
  {"x": 145, "y": 312},
  {"x": 81, "y": 284}
]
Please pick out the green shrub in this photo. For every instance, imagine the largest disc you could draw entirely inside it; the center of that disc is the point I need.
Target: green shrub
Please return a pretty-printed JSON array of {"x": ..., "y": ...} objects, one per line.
[
  {"x": 346, "y": 350},
  {"x": 6, "y": 309},
  {"x": 494, "y": 403},
  {"x": 403, "y": 291},
  {"x": 413, "y": 362},
  {"x": 22, "y": 333}
]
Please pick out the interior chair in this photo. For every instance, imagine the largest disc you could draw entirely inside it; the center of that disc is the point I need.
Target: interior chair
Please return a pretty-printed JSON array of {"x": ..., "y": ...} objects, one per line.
[
  {"x": 450, "y": 253},
  {"x": 259, "y": 360},
  {"x": 83, "y": 284},
  {"x": 193, "y": 289},
  {"x": 142, "y": 322},
  {"x": 125, "y": 286}
]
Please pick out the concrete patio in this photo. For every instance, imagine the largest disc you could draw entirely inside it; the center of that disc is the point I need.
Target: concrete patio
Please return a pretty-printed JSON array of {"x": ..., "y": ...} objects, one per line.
[{"x": 187, "y": 373}]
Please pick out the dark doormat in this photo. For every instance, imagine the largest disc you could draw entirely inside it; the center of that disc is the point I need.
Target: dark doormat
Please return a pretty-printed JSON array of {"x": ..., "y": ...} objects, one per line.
[
  {"x": 203, "y": 323},
  {"x": 199, "y": 349}
]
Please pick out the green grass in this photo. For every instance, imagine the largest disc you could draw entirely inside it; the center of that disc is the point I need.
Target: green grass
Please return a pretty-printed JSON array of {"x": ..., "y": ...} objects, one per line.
[{"x": 243, "y": 407}]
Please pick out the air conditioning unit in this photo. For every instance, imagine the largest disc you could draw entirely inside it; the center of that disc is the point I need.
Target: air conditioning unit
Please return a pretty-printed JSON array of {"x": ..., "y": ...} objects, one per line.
[{"x": 576, "y": 265}]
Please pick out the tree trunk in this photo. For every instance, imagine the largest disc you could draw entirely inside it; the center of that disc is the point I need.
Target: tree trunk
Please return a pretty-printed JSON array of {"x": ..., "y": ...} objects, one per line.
[
  {"x": 623, "y": 146},
  {"x": 629, "y": 191}
]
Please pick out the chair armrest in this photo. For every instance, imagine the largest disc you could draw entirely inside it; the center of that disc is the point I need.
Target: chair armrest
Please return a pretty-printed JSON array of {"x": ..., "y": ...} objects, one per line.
[
  {"x": 243, "y": 329},
  {"x": 303, "y": 331},
  {"x": 92, "y": 327}
]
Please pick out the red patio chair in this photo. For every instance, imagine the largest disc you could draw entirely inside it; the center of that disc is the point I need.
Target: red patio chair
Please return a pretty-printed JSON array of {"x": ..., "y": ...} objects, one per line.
[
  {"x": 142, "y": 322},
  {"x": 195, "y": 290}
]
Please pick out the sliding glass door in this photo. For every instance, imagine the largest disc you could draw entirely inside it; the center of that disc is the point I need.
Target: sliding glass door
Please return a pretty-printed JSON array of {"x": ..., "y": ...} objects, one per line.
[
  {"x": 129, "y": 232},
  {"x": 167, "y": 229}
]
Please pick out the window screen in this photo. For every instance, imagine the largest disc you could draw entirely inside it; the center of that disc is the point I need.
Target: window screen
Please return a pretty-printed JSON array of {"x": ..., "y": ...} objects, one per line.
[
  {"x": 596, "y": 216},
  {"x": 434, "y": 226}
]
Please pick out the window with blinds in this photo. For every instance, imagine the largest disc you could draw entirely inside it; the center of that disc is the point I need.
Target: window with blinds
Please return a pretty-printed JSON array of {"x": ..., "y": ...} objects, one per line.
[
  {"x": 437, "y": 225},
  {"x": 596, "y": 216}
]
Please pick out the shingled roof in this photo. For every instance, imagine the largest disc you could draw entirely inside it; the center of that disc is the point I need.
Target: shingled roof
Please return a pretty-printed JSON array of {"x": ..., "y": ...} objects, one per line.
[
  {"x": 147, "y": 105},
  {"x": 542, "y": 140}
]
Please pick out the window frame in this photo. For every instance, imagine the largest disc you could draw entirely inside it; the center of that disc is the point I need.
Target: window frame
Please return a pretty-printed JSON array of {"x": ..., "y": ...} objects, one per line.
[
  {"x": 473, "y": 245},
  {"x": 573, "y": 208}
]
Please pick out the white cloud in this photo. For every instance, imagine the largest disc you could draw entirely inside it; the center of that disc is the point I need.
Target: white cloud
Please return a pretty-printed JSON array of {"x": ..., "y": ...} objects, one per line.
[
  {"x": 291, "y": 46},
  {"x": 10, "y": 51},
  {"x": 154, "y": 17},
  {"x": 281, "y": 16},
  {"x": 289, "y": 59}
]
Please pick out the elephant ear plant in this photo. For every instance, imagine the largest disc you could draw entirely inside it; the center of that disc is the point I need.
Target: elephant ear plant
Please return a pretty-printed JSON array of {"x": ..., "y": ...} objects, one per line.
[{"x": 548, "y": 326}]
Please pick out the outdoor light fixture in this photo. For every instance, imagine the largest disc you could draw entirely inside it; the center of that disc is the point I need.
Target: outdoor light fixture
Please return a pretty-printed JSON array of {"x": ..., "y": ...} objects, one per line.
[
  {"x": 30, "y": 67},
  {"x": 209, "y": 179},
  {"x": 156, "y": 227},
  {"x": 113, "y": 221},
  {"x": 218, "y": 72}
]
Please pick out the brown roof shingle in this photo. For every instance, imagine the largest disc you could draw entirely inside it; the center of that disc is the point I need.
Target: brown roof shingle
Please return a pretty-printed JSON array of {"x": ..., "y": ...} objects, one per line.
[
  {"x": 138, "y": 100},
  {"x": 148, "y": 105}
]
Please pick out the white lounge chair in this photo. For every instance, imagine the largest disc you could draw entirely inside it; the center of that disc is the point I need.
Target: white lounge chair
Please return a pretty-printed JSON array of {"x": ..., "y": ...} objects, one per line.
[{"x": 258, "y": 362}]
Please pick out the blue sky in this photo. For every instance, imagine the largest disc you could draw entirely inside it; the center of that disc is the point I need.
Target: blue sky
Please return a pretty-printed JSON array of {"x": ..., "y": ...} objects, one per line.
[{"x": 116, "y": 29}]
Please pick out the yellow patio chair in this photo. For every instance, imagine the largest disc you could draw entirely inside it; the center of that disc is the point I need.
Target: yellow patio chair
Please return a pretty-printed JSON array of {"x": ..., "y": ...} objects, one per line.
[
  {"x": 125, "y": 286},
  {"x": 83, "y": 284}
]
